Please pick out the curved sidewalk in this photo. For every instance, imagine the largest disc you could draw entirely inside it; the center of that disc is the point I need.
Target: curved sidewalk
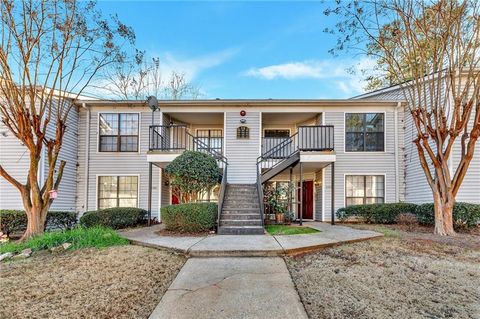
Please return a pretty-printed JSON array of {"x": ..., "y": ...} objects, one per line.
[{"x": 249, "y": 245}]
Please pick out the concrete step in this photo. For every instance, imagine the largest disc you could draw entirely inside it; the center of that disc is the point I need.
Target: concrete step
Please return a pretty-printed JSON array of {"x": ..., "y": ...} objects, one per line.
[
  {"x": 227, "y": 216},
  {"x": 240, "y": 222},
  {"x": 241, "y": 230}
]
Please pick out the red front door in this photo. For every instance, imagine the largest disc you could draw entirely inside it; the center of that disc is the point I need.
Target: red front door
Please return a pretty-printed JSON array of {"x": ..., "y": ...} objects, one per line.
[{"x": 307, "y": 200}]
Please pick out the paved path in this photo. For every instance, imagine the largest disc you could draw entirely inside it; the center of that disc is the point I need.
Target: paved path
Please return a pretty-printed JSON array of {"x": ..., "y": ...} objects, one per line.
[
  {"x": 233, "y": 287},
  {"x": 251, "y": 245}
]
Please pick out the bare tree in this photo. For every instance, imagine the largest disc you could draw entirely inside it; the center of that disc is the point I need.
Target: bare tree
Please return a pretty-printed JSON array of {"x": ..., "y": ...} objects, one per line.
[
  {"x": 49, "y": 48},
  {"x": 432, "y": 51},
  {"x": 139, "y": 77}
]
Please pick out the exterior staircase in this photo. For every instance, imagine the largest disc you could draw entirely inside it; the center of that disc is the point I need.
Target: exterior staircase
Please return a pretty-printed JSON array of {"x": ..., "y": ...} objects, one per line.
[{"x": 241, "y": 211}]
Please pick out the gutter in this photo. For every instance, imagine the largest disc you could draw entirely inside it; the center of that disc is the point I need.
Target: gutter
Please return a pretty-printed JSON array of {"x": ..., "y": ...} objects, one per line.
[
  {"x": 396, "y": 152},
  {"x": 87, "y": 157}
]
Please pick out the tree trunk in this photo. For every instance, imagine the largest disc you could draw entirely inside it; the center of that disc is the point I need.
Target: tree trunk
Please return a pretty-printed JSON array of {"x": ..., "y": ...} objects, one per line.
[
  {"x": 36, "y": 222},
  {"x": 443, "y": 209}
]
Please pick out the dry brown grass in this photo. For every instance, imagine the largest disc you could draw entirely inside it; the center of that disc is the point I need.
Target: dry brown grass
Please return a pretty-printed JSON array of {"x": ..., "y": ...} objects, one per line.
[
  {"x": 403, "y": 275},
  {"x": 118, "y": 282}
]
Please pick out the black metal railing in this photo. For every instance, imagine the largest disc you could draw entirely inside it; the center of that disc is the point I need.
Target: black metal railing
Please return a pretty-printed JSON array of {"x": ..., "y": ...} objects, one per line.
[
  {"x": 307, "y": 138},
  {"x": 174, "y": 138},
  {"x": 221, "y": 194}
]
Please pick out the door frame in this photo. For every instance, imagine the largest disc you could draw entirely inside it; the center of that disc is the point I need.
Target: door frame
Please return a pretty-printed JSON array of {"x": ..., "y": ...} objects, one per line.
[{"x": 313, "y": 200}]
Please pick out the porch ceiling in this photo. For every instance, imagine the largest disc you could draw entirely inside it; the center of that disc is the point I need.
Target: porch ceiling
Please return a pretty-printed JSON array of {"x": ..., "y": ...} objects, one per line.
[
  {"x": 286, "y": 118},
  {"x": 197, "y": 118}
]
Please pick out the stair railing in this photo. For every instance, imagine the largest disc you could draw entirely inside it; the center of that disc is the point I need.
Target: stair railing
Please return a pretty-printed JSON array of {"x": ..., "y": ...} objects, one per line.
[
  {"x": 221, "y": 194},
  {"x": 260, "y": 195}
]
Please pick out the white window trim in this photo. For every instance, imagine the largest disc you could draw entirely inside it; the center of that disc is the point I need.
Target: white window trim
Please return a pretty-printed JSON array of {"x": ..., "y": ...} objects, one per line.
[
  {"x": 345, "y": 132},
  {"x": 119, "y": 174},
  {"x": 364, "y": 174},
  {"x": 276, "y": 128},
  {"x": 119, "y": 112}
]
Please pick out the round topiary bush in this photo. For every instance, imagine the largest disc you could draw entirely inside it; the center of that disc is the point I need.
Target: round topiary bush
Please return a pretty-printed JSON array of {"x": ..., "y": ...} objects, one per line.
[
  {"x": 116, "y": 218},
  {"x": 192, "y": 173},
  {"x": 190, "y": 217}
]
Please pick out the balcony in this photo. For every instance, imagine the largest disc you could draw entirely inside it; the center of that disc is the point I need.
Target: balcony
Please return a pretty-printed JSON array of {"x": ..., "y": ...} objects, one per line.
[{"x": 168, "y": 141}]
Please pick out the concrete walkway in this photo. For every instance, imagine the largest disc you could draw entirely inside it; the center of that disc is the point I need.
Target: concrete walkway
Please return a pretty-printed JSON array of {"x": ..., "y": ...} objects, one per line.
[
  {"x": 231, "y": 288},
  {"x": 251, "y": 245}
]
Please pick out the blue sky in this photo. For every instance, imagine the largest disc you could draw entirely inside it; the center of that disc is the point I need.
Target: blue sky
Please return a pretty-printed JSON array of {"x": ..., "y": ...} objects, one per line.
[{"x": 244, "y": 49}]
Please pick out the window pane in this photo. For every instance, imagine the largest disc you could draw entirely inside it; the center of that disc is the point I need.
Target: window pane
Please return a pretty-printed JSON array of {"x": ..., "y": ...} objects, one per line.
[
  {"x": 128, "y": 143},
  {"x": 374, "y": 186},
  {"x": 354, "y": 201},
  {"x": 127, "y": 202},
  {"x": 374, "y": 141},
  {"x": 373, "y": 200},
  {"x": 108, "y": 124},
  {"x": 355, "y": 186},
  {"x": 107, "y": 203},
  {"x": 107, "y": 186},
  {"x": 127, "y": 187},
  {"x": 354, "y": 122},
  {"x": 108, "y": 144},
  {"x": 374, "y": 122},
  {"x": 277, "y": 133},
  {"x": 354, "y": 142},
  {"x": 128, "y": 124}
]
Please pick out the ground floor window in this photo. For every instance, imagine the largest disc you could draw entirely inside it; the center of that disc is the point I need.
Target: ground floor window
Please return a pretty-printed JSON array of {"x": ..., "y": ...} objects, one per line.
[
  {"x": 117, "y": 191},
  {"x": 364, "y": 189}
]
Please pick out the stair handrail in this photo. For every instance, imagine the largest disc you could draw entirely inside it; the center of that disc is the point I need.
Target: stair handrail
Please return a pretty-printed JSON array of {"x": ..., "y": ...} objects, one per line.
[
  {"x": 221, "y": 194},
  {"x": 260, "y": 195}
]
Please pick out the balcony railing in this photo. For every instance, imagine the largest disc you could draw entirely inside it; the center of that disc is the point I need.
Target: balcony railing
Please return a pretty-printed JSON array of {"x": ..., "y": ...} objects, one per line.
[
  {"x": 174, "y": 138},
  {"x": 308, "y": 138}
]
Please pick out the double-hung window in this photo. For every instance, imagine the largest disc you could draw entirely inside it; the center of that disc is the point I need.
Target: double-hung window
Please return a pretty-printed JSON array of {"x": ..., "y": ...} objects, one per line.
[
  {"x": 364, "y": 189},
  {"x": 118, "y": 132},
  {"x": 364, "y": 132},
  {"x": 117, "y": 191}
]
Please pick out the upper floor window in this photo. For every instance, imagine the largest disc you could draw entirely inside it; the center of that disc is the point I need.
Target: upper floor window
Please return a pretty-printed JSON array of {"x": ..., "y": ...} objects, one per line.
[
  {"x": 364, "y": 132},
  {"x": 277, "y": 133},
  {"x": 118, "y": 132}
]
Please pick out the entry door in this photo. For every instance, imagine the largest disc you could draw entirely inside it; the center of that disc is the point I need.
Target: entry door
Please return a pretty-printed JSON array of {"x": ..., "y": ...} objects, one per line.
[{"x": 307, "y": 212}]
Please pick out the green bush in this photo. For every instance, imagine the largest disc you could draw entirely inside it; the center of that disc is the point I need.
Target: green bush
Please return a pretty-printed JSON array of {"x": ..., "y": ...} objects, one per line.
[
  {"x": 116, "y": 218},
  {"x": 465, "y": 215},
  {"x": 192, "y": 173},
  {"x": 190, "y": 217},
  {"x": 12, "y": 221},
  {"x": 16, "y": 220},
  {"x": 376, "y": 213},
  {"x": 79, "y": 237}
]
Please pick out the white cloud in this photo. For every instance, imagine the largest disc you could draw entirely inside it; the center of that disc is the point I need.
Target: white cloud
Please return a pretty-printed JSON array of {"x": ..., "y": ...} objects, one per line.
[
  {"x": 339, "y": 71},
  {"x": 193, "y": 66}
]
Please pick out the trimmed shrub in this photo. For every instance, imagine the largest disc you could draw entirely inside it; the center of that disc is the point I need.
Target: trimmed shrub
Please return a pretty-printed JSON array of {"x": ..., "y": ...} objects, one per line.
[
  {"x": 116, "y": 218},
  {"x": 465, "y": 215},
  {"x": 12, "y": 221},
  {"x": 16, "y": 220},
  {"x": 191, "y": 173},
  {"x": 190, "y": 217},
  {"x": 61, "y": 220},
  {"x": 376, "y": 213}
]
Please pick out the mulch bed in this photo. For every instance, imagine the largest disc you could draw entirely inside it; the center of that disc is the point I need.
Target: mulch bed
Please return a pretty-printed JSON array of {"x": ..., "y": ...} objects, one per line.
[
  {"x": 403, "y": 275},
  {"x": 117, "y": 282}
]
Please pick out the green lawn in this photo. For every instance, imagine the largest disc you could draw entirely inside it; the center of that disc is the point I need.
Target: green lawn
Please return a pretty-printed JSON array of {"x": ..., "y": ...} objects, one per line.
[
  {"x": 80, "y": 237},
  {"x": 289, "y": 230}
]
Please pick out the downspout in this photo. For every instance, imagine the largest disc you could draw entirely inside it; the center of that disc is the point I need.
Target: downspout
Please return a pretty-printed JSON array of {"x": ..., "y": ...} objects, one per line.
[
  {"x": 87, "y": 157},
  {"x": 396, "y": 151}
]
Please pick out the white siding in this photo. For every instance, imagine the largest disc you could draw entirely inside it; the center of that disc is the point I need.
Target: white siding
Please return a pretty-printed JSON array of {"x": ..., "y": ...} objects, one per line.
[
  {"x": 242, "y": 154},
  {"x": 15, "y": 159},
  {"x": 360, "y": 163},
  {"x": 417, "y": 188},
  {"x": 105, "y": 163}
]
